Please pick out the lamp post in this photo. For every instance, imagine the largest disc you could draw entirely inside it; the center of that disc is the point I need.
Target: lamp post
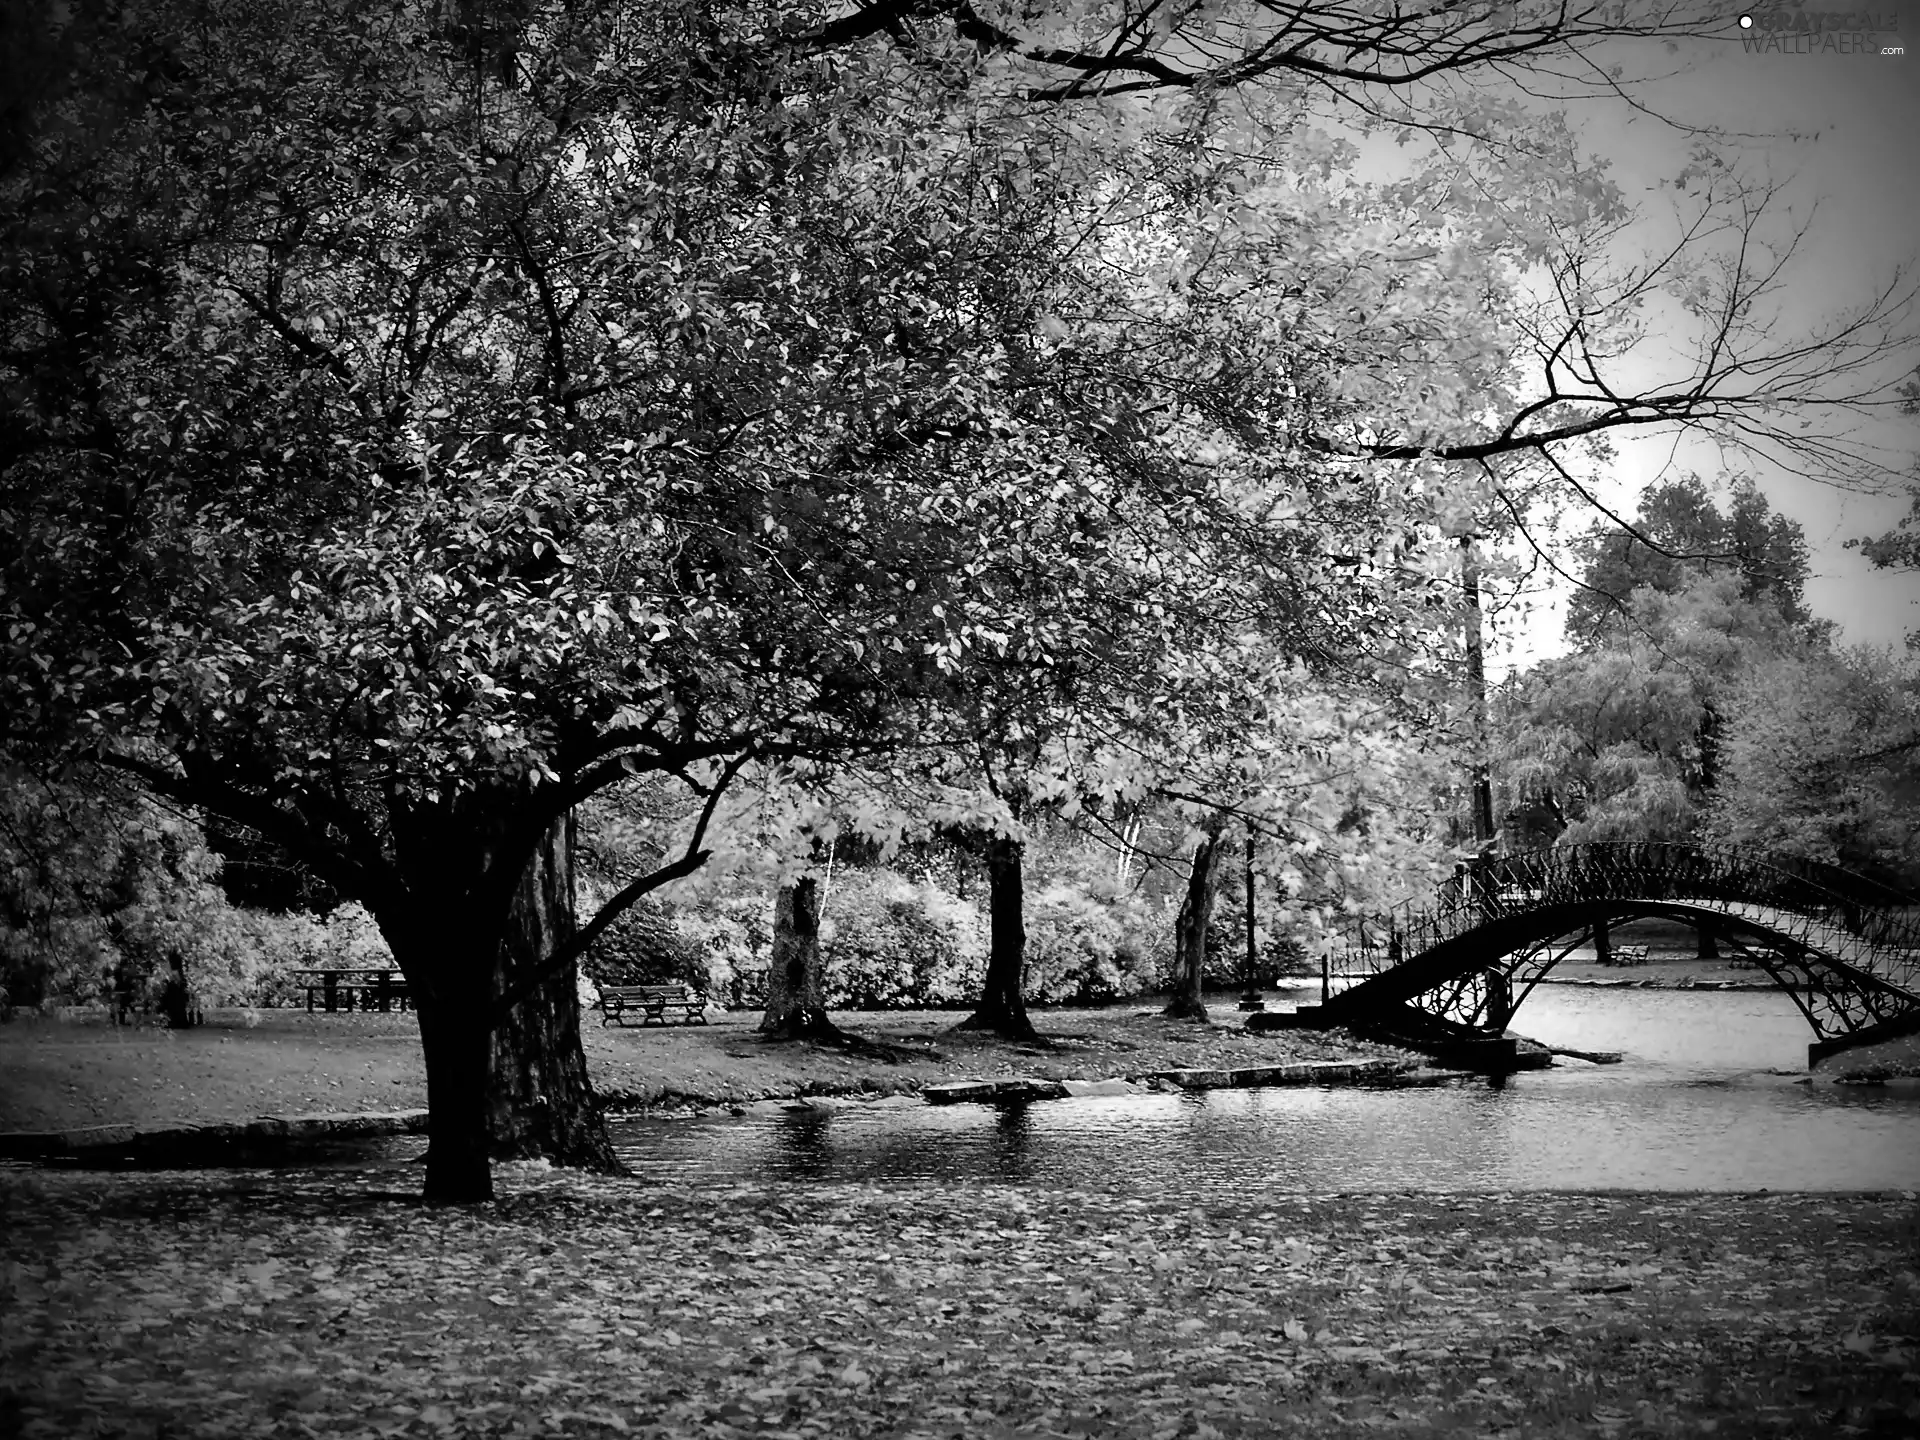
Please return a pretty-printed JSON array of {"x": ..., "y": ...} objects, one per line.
[
  {"x": 1251, "y": 999},
  {"x": 1483, "y": 833},
  {"x": 1499, "y": 991}
]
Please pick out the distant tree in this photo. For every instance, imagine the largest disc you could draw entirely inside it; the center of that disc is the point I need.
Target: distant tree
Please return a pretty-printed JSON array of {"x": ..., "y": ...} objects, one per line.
[
  {"x": 796, "y": 971},
  {"x": 105, "y": 894},
  {"x": 1192, "y": 925},
  {"x": 1820, "y": 757},
  {"x": 1678, "y": 536},
  {"x": 1623, "y": 740},
  {"x": 1898, "y": 549}
]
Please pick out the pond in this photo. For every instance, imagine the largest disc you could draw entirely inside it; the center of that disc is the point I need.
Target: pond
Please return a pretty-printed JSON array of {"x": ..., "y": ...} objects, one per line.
[{"x": 1694, "y": 1106}]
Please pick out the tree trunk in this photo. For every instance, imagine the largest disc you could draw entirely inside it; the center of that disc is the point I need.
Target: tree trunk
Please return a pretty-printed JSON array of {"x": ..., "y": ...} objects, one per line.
[
  {"x": 456, "y": 1041},
  {"x": 1499, "y": 1011},
  {"x": 176, "y": 996},
  {"x": 1709, "y": 947},
  {"x": 796, "y": 974},
  {"x": 1190, "y": 933},
  {"x": 1003, "y": 1008},
  {"x": 540, "y": 1100},
  {"x": 1602, "y": 942}
]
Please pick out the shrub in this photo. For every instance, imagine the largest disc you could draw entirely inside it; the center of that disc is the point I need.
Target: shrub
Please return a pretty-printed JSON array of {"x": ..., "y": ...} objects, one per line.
[
  {"x": 104, "y": 893},
  {"x": 1084, "y": 950},
  {"x": 645, "y": 946},
  {"x": 732, "y": 940},
  {"x": 277, "y": 945},
  {"x": 280, "y": 945},
  {"x": 1288, "y": 956},
  {"x": 891, "y": 944}
]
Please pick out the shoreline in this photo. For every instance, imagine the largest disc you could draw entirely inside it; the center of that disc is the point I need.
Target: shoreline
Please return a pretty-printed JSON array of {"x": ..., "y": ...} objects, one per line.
[
  {"x": 271, "y": 1135},
  {"x": 1686, "y": 982},
  {"x": 253, "y": 1080},
  {"x": 269, "y": 1079}
]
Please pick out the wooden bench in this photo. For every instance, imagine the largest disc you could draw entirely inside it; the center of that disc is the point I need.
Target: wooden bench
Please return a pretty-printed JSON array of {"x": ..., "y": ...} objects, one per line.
[
  {"x": 655, "y": 1004},
  {"x": 1759, "y": 953},
  {"x": 1628, "y": 955}
]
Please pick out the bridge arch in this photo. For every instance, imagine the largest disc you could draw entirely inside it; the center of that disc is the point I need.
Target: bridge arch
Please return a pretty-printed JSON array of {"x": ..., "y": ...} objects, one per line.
[{"x": 1845, "y": 949}]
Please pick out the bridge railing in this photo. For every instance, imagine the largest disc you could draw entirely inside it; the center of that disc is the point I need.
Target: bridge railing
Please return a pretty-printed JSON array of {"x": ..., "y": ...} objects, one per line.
[{"x": 1843, "y": 917}]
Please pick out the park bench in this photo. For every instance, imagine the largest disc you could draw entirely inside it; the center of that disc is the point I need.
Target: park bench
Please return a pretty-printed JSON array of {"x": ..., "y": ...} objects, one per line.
[
  {"x": 1628, "y": 955},
  {"x": 655, "y": 1004},
  {"x": 338, "y": 990}
]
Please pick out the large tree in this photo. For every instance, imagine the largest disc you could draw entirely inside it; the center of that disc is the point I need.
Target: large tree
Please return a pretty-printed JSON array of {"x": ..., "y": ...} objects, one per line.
[
  {"x": 433, "y": 452},
  {"x": 1622, "y": 739}
]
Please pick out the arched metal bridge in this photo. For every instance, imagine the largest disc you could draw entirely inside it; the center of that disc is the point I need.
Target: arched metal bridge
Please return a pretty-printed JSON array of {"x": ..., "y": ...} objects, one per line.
[{"x": 1846, "y": 949}]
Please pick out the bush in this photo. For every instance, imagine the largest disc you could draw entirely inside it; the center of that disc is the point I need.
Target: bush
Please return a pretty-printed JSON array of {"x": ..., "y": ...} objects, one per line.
[
  {"x": 892, "y": 944},
  {"x": 1287, "y": 956},
  {"x": 732, "y": 942},
  {"x": 276, "y": 945},
  {"x": 105, "y": 894},
  {"x": 1087, "y": 951},
  {"x": 645, "y": 946}
]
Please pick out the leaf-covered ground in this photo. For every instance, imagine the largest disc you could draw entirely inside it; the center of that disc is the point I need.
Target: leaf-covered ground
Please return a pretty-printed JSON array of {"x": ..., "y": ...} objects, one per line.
[
  {"x": 227, "y": 1304},
  {"x": 57, "y": 1076}
]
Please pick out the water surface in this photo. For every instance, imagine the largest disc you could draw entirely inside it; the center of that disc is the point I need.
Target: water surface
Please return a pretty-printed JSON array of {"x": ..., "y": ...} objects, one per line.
[{"x": 1693, "y": 1107}]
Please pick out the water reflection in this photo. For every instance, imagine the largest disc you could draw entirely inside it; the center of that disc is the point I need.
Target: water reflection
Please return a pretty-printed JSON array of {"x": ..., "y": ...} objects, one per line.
[
  {"x": 1693, "y": 1108},
  {"x": 803, "y": 1146}
]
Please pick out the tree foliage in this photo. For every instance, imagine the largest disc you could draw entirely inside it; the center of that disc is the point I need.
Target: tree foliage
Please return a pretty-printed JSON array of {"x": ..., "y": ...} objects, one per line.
[
  {"x": 1679, "y": 535},
  {"x": 1624, "y": 740},
  {"x": 1821, "y": 758},
  {"x": 107, "y": 895}
]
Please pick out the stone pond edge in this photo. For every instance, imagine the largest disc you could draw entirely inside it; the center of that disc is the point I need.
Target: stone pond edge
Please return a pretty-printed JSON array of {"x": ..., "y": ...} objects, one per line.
[{"x": 196, "y": 1139}]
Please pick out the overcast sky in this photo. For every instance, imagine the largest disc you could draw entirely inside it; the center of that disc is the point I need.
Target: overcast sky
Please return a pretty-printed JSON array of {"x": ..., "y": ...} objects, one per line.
[{"x": 1847, "y": 135}]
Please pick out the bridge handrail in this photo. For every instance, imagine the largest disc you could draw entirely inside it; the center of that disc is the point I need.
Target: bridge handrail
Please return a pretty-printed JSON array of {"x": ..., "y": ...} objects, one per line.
[{"x": 1866, "y": 934}]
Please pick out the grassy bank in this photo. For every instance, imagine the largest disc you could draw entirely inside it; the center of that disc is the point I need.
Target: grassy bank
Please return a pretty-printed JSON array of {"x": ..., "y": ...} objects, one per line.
[
  {"x": 57, "y": 1076},
  {"x": 227, "y": 1305}
]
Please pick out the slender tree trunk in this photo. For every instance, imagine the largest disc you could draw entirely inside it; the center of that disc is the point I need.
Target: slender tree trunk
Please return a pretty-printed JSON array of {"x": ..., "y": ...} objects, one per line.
[
  {"x": 1602, "y": 942},
  {"x": 1709, "y": 947},
  {"x": 1190, "y": 933},
  {"x": 796, "y": 974},
  {"x": 540, "y": 1100},
  {"x": 176, "y": 997},
  {"x": 1499, "y": 1013},
  {"x": 1483, "y": 832},
  {"x": 1003, "y": 1007}
]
